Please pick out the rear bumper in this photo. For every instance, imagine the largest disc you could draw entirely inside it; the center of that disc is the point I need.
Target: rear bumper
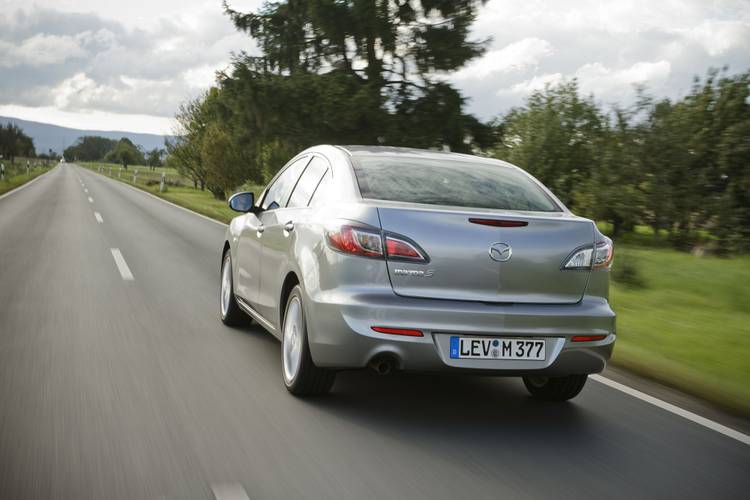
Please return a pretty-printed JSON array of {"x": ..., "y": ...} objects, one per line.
[{"x": 340, "y": 333}]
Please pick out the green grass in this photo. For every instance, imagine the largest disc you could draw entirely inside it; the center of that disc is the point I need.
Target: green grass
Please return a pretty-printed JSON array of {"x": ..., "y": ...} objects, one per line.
[
  {"x": 690, "y": 326},
  {"x": 14, "y": 179}
]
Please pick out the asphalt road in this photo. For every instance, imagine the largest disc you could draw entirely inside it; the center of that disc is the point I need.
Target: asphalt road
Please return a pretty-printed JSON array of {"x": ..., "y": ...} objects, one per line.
[{"x": 113, "y": 388}]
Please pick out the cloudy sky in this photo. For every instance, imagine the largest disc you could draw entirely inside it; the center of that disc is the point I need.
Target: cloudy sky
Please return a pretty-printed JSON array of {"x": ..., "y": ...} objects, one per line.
[{"x": 126, "y": 65}]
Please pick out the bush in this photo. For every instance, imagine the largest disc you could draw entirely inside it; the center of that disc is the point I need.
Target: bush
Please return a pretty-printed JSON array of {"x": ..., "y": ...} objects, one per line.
[{"x": 625, "y": 272}]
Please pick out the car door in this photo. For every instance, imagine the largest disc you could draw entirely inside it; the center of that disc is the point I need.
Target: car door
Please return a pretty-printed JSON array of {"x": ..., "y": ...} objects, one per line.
[{"x": 272, "y": 237}]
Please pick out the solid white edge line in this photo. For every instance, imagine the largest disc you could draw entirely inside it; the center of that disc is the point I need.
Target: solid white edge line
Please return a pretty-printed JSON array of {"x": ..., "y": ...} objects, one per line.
[
  {"x": 91, "y": 200},
  {"x": 26, "y": 184},
  {"x": 229, "y": 491},
  {"x": 166, "y": 201},
  {"x": 98, "y": 217},
  {"x": 122, "y": 266},
  {"x": 709, "y": 424}
]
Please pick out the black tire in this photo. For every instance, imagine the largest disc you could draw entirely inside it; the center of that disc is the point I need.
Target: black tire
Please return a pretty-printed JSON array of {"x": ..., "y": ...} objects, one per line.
[
  {"x": 555, "y": 389},
  {"x": 309, "y": 380},
  {"x": 233, "y": 316}
]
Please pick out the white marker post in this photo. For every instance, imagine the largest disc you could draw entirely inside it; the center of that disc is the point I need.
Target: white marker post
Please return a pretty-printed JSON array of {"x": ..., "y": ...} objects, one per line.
[
  {"x": 135, "y": 176},
  {"x": 119, "y": 173},
  {"x": 2, "y": 171},
  {"x": 163, "y": 181}
]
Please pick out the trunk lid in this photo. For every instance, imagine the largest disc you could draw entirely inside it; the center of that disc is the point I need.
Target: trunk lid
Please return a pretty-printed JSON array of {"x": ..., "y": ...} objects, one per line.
[{"x": 461, "y": 266}]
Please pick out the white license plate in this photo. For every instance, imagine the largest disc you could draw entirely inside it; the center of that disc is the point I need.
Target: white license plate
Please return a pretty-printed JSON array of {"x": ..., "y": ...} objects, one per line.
[{"x": 497, "y": 348}]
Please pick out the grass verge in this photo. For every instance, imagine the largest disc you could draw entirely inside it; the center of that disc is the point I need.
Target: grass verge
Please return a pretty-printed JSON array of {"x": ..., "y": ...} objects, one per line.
[
  {"x": 12, "y": 182},
  {"x": 689, "y": 326}
]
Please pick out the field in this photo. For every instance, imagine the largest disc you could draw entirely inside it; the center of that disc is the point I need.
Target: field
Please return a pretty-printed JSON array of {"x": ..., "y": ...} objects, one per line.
[{"x": 686, "y": 325}]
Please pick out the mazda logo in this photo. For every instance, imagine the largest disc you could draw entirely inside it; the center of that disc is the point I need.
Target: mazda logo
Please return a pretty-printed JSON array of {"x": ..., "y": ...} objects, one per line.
[{"x": 500, "y": 252}]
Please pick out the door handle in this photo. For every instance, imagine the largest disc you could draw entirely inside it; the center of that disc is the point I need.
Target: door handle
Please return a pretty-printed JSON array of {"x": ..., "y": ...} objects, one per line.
[
  {"x": 289, "y": 226},
  {"x": 261, "y": 228}
]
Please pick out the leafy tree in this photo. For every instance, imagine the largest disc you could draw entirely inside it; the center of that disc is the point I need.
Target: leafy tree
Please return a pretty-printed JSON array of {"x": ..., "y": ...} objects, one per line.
[
  {"x": 14, "y": 142},
  {"x": 126, "y": 153},
  {"x": 184, "y": 149},
  {"x": 90, "y": 148},
  {"x": 556, "y": 136},
  {"x": 154, "y": 158}
]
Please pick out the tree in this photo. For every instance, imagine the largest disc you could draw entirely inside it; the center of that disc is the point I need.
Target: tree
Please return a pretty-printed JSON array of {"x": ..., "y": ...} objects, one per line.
[
  {"x": 14, "y": 142},
  {"x": 556, "y": 136},
  {"x": 154, "y": 158},
  {"x": 364, "y": 71},
  {"x": 90, "y": 148},
  {"x": 184, "y": 149},
  {"x": 126, "y": 153}
]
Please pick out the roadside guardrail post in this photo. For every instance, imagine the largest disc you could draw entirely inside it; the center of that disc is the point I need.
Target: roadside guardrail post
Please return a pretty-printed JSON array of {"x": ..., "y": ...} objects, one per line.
[{"x": 163, "y": 181}]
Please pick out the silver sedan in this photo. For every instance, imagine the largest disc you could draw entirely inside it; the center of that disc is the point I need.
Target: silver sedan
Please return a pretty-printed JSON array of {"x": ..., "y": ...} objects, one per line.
[{"x": 403, "y": 259}]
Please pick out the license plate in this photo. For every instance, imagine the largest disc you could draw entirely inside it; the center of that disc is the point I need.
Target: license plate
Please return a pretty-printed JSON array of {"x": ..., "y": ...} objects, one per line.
[{"x": 497, "y": 348}]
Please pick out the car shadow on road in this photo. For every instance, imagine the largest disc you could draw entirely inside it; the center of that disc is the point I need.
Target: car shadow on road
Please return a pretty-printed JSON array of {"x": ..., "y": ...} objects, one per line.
[{"x": 460, "y": 411}]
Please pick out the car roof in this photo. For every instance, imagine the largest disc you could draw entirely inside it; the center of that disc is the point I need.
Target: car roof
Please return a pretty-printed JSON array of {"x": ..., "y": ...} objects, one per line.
[{"x": 360, "y": 151}]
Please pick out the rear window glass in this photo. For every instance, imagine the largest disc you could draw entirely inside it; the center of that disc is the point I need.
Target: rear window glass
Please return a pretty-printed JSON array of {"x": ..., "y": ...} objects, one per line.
[{"x": 449, "y": 182}]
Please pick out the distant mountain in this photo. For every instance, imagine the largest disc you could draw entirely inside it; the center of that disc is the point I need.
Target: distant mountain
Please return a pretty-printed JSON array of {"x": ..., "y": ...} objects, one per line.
[{"x": 57, "y": 138}]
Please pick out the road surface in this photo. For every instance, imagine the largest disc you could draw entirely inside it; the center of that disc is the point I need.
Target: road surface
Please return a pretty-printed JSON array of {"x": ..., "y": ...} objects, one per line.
[{"x": 117, "y": 380}]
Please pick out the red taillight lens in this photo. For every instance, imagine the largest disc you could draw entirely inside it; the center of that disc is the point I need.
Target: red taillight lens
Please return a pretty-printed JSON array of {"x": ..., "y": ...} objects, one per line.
[
  {"x": 398, "y": 331},
  {"x": 356, "y": 240},
  {"x": 367, "y": 241},
  {"x": 402, "y": 249},
  {"x": 587, "y": 338}
]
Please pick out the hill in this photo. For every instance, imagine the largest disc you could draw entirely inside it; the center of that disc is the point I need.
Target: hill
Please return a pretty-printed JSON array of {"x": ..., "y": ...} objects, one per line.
[{"x": 56, "y": 138}]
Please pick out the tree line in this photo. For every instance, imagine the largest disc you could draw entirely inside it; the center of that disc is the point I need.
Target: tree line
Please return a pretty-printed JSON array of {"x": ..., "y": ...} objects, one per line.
[
  {"x": 14, "y": 142},
  {"x": 375, "y": 72},
  {"x": 123, "y": 151}
]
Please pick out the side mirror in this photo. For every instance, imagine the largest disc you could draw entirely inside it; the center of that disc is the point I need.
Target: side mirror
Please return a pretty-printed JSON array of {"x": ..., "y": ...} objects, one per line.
[{"x": 242, "y": 202}]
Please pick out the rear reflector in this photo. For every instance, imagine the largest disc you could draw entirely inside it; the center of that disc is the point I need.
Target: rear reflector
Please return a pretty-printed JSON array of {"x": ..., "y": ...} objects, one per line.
[
  {"x": 398, "y": 331},
  {"x": 499, "y": 222},
  {"x": 587, "y": 338}
]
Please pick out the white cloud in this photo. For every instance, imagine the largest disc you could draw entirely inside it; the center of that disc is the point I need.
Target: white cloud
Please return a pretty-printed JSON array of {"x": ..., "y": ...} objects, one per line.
[
  {"x": 516, "y": 56},
  {"x": 42, "y": 49}
]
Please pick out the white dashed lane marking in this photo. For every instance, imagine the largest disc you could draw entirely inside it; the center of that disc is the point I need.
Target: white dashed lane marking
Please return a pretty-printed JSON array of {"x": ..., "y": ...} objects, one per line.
[
  {"x": 229, "y": 491},
  {"x": 122, "y": 266},
  {"x": 98, "y": 217},
  {"x": 91, "y": 200}
]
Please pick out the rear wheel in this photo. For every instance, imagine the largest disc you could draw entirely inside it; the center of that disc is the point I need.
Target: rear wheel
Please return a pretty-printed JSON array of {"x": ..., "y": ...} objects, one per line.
[
  {"x": 555, "y": 388},
  {"x": 301, "y": 376},
  {"x": 231, "y": 314}
]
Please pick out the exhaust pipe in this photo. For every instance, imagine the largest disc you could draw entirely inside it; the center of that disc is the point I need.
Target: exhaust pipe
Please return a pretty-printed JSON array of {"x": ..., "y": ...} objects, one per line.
[{"x": 383, "y": 365}]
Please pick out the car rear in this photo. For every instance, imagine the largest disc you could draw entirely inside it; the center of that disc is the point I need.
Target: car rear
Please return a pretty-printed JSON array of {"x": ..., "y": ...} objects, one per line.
[{"x": 456, "y": 262}]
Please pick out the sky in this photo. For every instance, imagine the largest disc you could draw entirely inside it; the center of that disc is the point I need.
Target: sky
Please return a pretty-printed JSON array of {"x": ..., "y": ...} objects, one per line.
[{"x": 127, "y": 65}]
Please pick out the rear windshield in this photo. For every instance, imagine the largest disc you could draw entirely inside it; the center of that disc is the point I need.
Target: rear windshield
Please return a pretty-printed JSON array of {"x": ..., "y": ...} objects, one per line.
[{"x": 449, "y": 182}]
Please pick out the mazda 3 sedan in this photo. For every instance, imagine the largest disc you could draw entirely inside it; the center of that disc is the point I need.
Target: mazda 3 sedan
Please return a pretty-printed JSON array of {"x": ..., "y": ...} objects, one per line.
[{"x": 405, "y": 259}]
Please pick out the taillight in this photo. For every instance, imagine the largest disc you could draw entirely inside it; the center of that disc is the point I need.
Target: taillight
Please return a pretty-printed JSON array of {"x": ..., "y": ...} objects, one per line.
[
  {"x": 599, "y": 256},
  {"x": 401, "y": 249},
  {"x": 355, "y": 240},
  {"x": 604, "y": 252},
  {"x": 368, "y": 242},
  {"x": 587, "y": 338}
]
